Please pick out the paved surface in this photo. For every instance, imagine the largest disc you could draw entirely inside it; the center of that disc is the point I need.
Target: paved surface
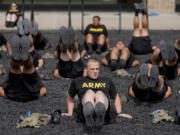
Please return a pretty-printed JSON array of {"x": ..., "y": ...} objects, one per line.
[
  {"x": 53, "y": 20},
  {"x": 141, "y": 124}
]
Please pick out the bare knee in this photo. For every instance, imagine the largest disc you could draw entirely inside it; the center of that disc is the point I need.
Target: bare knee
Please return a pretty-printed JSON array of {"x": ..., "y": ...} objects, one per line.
[
  {"x": 43, "y": 92},
  {"x": 89, "y": 96},
  {"x": 89, "y": 38}
]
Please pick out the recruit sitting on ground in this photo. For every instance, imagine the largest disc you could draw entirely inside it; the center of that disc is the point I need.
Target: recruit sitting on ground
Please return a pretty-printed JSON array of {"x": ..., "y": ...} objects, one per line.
[{"x": 95, "y": 94}]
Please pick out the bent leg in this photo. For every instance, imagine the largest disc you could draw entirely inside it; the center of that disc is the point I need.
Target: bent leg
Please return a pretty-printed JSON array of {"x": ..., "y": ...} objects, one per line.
[
  {"x": 1, "y": 72},
  {"x": 88, "y": 109},
  {"x": 131, "y": 93},
  {"x": 89, "y": 42},
  {"x": 104, "y": 61},
  {"x": 100, "y": 97},
  {"x": 13, "y": 18},
  {"x": 100, "y": 109},
  {"x": 43, "y": 91},
  {"x": 135, "y": 63},
  {"x": 100, "y": 42},
  {"x": 114, "y": 58},
  {"x": 2, "y": 93},
  {"x": 56, "y": 74},
  {"x": 168, "y": 93},
  {"x": 124, "y": 57},
  {"x": 89, "y": 97},
  {"x": 101, "y": 39}
]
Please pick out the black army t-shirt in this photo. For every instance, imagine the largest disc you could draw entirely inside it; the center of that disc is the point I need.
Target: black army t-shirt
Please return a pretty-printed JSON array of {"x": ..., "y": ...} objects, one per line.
[
  {"x": 3, "y": 40},
  {"x": 96, "y": 30},
  {"x": 80, "y": 86}
]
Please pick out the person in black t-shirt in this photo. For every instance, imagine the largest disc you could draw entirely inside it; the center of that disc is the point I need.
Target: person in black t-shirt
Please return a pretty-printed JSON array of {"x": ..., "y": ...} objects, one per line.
[
  {"x": 23, "y": 84},
  {"x": 12, "y": 15},
  {"x": 149, "y": 85},
  {"x": 68, "y": 53},
  {"x": 95, "y": 94},
  {"x": 165, "y": 57},
  {"x": 120, "y": 57},
  {"x": 96, "y": 37},
  {"x": 140, "y": 43}
]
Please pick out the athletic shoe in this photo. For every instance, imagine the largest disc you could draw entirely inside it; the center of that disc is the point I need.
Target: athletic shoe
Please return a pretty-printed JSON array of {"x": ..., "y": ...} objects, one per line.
[
  {"x": 27, "y": 26},
  {"x": 100, "y": 115},
  {"x": 15, "y": 46},
  {"x": 34, "y": 30},
  {"x": 25, "y": 45},
  {"x": 20, "y": 29}
]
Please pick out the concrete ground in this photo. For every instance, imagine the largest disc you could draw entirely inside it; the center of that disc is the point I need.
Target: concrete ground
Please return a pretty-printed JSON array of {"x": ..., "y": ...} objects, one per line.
[
  {"x": 141, "y": 124},
  {"x": 52, "y": 20}
]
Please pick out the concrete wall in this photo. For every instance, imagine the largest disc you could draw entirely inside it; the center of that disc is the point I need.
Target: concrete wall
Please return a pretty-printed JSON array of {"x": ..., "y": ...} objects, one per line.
[{"x": 162, "y": 6}]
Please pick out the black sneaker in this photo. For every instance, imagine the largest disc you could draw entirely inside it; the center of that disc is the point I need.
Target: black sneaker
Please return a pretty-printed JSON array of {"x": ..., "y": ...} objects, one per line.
[
  {"x": 100, "y": 115},
  {"x": 15, "y": 46},
  {"x": 139, "y": 6},
  {"x": 20, "y": 29},
  {"x": 25, "y": 45}
]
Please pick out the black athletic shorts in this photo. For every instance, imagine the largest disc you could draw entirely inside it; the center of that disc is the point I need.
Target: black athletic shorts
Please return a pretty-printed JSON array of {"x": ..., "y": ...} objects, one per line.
[
  {"x": 110, "y": 115},
  {"x": 129, "y": 63},
  {"x": 171, "y": 72},
  {"x": 69, "y": 69},
  {"x": 41, "y": 45},
  {"x": 140, "y": 45},
  {"x": 148, "y": 94},
  {"x": 23, "y": 87}
]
